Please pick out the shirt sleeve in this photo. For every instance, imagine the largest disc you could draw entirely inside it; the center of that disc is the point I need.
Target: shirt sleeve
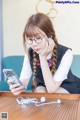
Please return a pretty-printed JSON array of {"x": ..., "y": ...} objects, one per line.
[
  {"x": 26, "y": 71},
  {"x": 64, "y": 67}
]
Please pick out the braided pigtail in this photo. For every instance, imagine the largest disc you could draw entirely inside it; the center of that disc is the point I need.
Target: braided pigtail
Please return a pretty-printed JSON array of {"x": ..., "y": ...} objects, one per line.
[
  {"x": 54, "y": 56},
  {"x": 34, "y": 70}
]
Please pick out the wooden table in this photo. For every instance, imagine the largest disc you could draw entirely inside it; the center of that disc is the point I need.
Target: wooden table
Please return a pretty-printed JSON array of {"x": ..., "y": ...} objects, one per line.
[{"x": 69, "y": 109}]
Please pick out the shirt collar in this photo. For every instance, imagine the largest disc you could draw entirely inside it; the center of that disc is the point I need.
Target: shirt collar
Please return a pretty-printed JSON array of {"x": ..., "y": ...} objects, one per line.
[{"x": 49, "y": 56}]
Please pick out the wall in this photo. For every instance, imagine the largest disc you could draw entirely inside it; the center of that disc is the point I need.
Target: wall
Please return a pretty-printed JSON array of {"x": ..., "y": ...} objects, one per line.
[{"x": 16, "y": 13}]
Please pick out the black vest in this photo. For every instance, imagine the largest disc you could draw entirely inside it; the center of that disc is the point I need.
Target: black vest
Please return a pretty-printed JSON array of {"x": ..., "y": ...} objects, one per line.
[{"x": 71, "y": 84}]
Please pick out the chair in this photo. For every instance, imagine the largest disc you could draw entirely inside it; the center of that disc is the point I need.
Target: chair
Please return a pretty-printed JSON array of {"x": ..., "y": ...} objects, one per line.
[{"x": 75, "y": 67}]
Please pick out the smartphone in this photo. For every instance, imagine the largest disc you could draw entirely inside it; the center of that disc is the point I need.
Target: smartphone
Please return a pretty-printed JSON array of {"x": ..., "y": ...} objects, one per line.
[{"x": 10, "y": 74}]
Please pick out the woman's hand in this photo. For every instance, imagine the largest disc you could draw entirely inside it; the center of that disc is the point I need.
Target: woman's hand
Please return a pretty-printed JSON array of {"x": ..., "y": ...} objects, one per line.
[
  {"x": 48, "y": 48},
  {"x": 16, "y": 88}
]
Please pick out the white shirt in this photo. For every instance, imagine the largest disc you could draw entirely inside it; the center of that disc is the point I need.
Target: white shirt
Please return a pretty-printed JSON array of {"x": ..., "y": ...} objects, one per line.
[{"x": 60, "y": 74}]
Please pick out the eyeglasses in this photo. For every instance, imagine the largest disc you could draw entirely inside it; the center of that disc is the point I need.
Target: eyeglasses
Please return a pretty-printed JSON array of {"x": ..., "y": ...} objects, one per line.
[{"x": 38, "y": 40}]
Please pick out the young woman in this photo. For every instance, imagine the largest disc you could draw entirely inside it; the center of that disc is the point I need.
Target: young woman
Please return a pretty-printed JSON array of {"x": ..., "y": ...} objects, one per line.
[{"x": 49, "y": 61}]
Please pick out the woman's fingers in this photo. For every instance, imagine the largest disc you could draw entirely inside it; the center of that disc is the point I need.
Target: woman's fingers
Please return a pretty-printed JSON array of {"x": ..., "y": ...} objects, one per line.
[
  {"x": 51, "y": 44},
  {"x": 18, "y": 89},
  {"x": 15, "y": 88},
  {"x": 12, "y": 86},
  {"x": 44, "y": 52},
  {"x": 16, "y": 85},
  {"x": 48, "y": 47},
  {"x": 18, "y": 92},
  {"x": 10, "y": 81}
]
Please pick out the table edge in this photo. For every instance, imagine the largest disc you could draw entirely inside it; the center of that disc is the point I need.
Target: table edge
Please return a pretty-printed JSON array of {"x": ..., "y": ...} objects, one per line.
[{"x": 47, "y": 95}]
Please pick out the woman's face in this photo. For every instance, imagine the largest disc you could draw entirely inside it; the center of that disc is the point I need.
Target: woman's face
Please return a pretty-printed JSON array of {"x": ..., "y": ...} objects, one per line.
[{"x": 38, "y": 42}]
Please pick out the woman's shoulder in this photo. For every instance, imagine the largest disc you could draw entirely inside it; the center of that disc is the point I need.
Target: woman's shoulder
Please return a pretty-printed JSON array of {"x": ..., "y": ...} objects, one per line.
[
  {"x": 64, "y": 48},
  {"x": 63, "y": 51}
]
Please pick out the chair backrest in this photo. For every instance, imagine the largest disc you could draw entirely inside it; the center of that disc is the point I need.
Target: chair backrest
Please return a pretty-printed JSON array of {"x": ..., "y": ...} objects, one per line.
[
  {"x": 76, "y": 65},
  {"x": 15, "y": 63}
]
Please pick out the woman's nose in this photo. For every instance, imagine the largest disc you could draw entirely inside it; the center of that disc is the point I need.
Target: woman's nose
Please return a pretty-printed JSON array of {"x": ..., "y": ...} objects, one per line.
[{"x": 34, "y": 43}]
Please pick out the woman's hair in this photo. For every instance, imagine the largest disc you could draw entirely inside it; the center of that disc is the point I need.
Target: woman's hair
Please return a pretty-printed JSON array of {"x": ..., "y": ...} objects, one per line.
[{"x": 42, "y": 22}]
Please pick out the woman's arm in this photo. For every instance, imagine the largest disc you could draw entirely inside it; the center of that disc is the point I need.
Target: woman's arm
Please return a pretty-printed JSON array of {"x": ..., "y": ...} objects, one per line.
[
  {"x": 53, "y": 82},
  {"x": 24, "y": 78},
  {"x": 26, "y": 71},
  {"x": 51, "y": 85}
]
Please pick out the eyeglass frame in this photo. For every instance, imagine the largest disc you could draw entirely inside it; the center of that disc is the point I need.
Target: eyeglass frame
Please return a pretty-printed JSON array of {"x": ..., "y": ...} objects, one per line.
[{"x": 35, "y": 40}]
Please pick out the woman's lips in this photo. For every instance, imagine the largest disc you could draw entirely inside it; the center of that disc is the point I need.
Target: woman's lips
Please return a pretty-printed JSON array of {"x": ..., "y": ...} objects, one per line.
[{"x": 37, "y": 49}]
